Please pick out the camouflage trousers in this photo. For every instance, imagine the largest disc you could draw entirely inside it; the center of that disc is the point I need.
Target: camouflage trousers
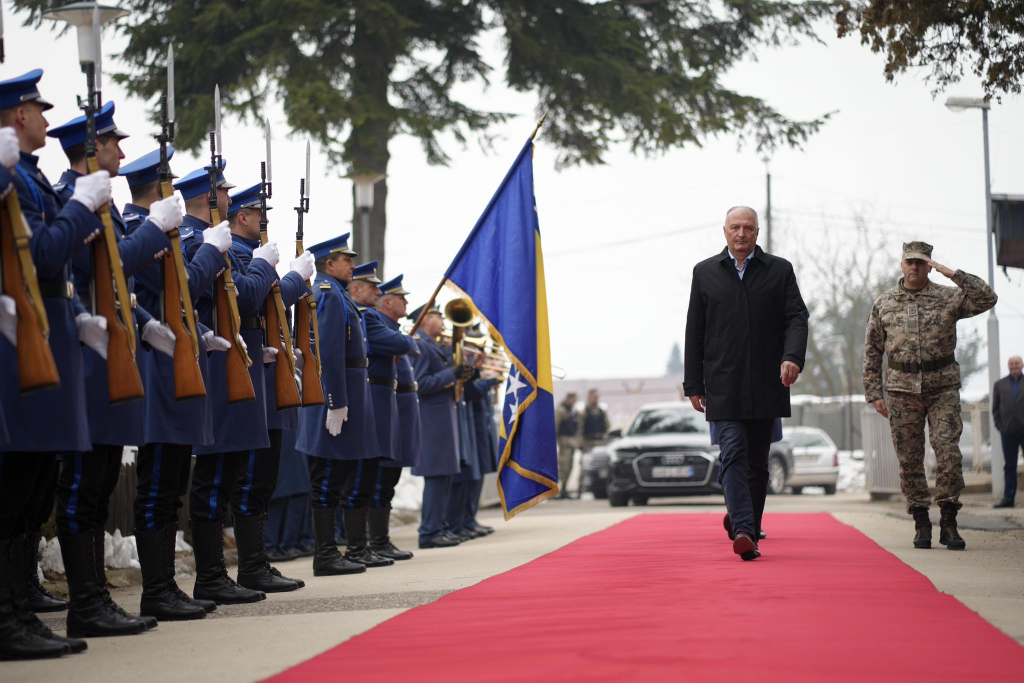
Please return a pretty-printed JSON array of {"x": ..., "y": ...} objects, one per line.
[{"x": 907, "y": 416}]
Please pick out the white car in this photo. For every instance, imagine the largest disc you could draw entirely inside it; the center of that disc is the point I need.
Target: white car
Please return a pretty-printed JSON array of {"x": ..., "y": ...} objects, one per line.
[{"x": 815, "y": 459}]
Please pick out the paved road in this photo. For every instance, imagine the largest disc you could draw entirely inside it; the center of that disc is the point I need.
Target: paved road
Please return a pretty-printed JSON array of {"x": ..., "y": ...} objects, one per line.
[{"x": 247, "y": 643}]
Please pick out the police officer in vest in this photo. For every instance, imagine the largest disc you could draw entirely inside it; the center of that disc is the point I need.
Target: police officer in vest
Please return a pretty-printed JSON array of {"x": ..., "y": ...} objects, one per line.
[
  {"x": 340, "y": 436},
  {"x": 386, "y": 346},
  {"x": 172, "y": 427},
  {"x": 87, "y": 480},
  {"x": 52, "y": 421}
]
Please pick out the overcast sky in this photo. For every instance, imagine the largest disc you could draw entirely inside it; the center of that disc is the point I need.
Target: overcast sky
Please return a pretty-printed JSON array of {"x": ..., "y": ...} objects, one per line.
[{"x": 620, "y": 240}]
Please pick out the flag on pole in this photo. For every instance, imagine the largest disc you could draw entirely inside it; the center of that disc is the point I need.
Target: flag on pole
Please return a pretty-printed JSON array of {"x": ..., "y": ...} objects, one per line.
[{"x": 500, "y": 270}]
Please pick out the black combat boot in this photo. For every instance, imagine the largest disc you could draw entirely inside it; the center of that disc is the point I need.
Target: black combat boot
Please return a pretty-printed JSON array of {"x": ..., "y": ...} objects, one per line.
[
  {"x": 101, "y": 581},
  {"x": 355, "y": 533},
  {"x": 212, "y": 580},
  {"x": 380, "y": 540},
  {"x": 89, "y": 614},
  {"x": 923, "y": 528},
  {"x": 266, "y": 560},
  {"x": 39, "y": 599},
  {"x": 17, "y": 641},
  {"x": 170, "y": 543},
  {"x": 160, "y": 598},
  {"x": 253, "y": 570},
  {"x": 24, "y": 613},
  {"x": 328, "y": 561},
  {"x": 948, "y": 534}
]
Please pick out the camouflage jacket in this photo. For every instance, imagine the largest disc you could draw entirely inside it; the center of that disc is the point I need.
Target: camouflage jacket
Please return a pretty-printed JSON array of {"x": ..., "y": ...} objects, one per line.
[{"x": 910, "y": 327}]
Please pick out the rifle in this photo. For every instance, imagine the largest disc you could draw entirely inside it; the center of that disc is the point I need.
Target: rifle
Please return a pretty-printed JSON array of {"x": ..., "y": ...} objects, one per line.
[
  {"x": 109, "y": 288},
  {"x": 278, "y": 336},
  {"x": 226, "y": 318},
  {"x": 307, "y": 328},
  {"x": 176, "y": 306},
  {"x": 36, "y": 368}
]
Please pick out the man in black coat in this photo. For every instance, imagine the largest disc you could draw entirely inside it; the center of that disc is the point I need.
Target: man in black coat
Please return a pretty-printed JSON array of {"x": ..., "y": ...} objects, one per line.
[
  {"x": 746, "y": 322},
  {"x": 1008, "y": 414}
]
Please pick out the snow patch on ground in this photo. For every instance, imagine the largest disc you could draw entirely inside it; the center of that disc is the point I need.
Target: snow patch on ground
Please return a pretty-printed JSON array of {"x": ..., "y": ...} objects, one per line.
[
  {"x": 408, "y": 492},
  {"x": 118, "y": 553},
  {"x": 851, "y": 471}
]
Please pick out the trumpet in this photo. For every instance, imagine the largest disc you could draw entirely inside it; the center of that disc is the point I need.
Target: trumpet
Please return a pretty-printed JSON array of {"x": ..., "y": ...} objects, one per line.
[{"x": 461, "y": 316}]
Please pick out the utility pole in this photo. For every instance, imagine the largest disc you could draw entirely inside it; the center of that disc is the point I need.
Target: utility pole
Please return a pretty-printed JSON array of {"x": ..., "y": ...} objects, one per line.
[{"x": 768, "y": 211}]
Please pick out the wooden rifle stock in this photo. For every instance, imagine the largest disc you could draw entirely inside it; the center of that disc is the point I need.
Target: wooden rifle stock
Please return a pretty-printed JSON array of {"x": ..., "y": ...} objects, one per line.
[
  {"x": 278, "y": 336},
  {"x": 238, "y": 362},
  {"x": 36, "y": 368},
  {"x": 306, "y": 326}
]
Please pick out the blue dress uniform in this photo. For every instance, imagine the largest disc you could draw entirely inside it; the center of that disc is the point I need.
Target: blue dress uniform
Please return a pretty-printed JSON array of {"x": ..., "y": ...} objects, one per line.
[
  {"x": 466, "y": 480},
  {"x": 171, "y": 427},
  {"x": 289, "y": 526},
  {"x": 439, "y": 455},
  {"x": 478, "y": 396}
]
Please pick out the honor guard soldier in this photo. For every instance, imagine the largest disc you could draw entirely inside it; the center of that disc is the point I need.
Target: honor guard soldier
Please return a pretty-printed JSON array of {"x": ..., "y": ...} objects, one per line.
[
  {"x": 469, "y": 475},
  {"x": 386, "y": 346},
  {"x": 87, "y": 480},
  {"x": 914, "y": 325},
  {"x": 195, "y": 190},
  {"x": 54, "y": 420},
  {"x": 439, "y": 456},
  {"x": 339, "y": 436},
  {"x": 172, "y": 427},
  {"x": 481, "y": 404},
  {"x": 257, "y": 470}
]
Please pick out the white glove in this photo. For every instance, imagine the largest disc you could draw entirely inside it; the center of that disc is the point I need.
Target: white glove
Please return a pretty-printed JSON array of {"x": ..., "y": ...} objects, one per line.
[
  {"x": 159, "y": 336},
  {"x": 219, "y": 236},
  {"x": 8, "y": 309},
  {"x": 242, "y": 342},
  {"x": 269, "y": 253},
  {"x": 335, "y": 418},
  {"x": 166, "y": 214},
  {"x": 10, "y": 148},
  {"x": 269, "y": 354},
  {"x": 93, "y": 190},
  {"x": 92, "y": 331},
  {"x": 300, "y": 360},
  {"x": 303, "y": 265},
  {"x": 215, "y": 343}
]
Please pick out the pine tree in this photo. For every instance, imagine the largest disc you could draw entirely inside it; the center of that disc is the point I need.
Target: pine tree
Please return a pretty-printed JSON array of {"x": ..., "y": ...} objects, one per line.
[{"x": 675, "y": 361}]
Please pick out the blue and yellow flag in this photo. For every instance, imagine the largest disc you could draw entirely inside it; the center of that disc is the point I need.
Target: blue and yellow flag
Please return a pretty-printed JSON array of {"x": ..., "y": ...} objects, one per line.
[{"x": 500, "y": 269}]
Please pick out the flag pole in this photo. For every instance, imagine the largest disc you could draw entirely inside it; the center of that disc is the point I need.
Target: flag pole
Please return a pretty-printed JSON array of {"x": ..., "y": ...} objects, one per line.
[{"x": 539, "y": 124}]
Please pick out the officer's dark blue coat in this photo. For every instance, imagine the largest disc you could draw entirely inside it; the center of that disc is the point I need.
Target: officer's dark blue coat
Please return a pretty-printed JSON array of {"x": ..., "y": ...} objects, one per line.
[
  {"x": 341, "y": 337},
  {"x": 469, "y": 460},
  {"x": 6, "y": 185},
  {"x": 293, "y": 288},
  {"x": 242, "y": 426},
  {"x": 54, "y": 420},
  {"x": 439, "y": 454},
  {"x": 386, "y": 346},
  {"x": 479, "y": 398},
  {"x": 167, "y": 420},
  {"x": 408, "y": 408},
  {"x": 122, "y": 424}
]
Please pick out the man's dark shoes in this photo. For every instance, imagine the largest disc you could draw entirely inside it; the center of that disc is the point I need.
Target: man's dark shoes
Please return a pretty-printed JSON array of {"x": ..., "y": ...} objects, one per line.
[
  {"x": 727, "y": 523},
  {"x": 161, "y": 597},
  {"x": 253, "y": 569},
  {"x": 439, "y": 541},
  {"x": 212, "y": 580},
  {"x": 488, "y": 530},
  {"x": 1004, "y": 503},
  {"x": 922, "y": 528},
  {"x": 328, "y": 561},
  {"x": 744, "y": 546},
  {"x": 948, "y": 534}
]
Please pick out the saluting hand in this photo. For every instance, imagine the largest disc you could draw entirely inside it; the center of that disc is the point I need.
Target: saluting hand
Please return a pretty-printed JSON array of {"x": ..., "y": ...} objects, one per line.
[
  {"x": 790, "y": 371},
  {"x": 940, "y": 268}
]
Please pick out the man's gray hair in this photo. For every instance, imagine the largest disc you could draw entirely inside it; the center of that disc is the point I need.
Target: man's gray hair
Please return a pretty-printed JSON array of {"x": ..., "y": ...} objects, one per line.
[{"x": 741, "y": 208}]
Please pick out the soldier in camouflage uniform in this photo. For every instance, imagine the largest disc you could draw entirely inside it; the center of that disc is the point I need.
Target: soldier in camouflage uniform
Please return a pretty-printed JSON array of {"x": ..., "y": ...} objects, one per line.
[{"x": 914, "y": 325}]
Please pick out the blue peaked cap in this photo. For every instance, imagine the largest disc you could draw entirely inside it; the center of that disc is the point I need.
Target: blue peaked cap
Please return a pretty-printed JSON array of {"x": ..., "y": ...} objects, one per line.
[
  {"x": 74, "y": 131},
  {"x": 198, "y": 182},
  {"x": 393, "y": 286},
  {"x": 249, "y": 198},
  {"x": 434, "y": 308},
  {"x": 145, "y": 169},
  {"x": 335, "y": 245},
  {"x": 15, "y": 91},
  {"x": 367, "y": 271}
]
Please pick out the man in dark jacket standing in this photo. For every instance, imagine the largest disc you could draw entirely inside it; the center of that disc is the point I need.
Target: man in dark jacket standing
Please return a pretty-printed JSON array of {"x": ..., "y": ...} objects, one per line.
[
  {"x": 746, "y": 322},
  {"x": 1008, "y": 413}
]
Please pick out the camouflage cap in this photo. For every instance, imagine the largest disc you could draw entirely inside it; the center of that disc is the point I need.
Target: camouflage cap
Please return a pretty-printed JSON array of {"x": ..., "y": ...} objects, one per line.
[{"x": 918, "y": 250}]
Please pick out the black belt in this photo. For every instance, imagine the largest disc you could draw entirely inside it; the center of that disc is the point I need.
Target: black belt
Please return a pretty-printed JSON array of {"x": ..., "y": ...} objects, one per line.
[
  {"x": 252, "y": 323},
  {"x": 56, "y": 289},
  {"x": 406, "y": 388},
  {"x": 927, "y": 366},
  {"x": 357, "y": 363},
  {"x": 383, "y": 382}
]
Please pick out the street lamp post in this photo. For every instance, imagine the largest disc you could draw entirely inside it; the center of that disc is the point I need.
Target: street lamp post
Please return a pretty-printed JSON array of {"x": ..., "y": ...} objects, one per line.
[
  {"x": 364, "y": 184},
  {"x": 959, "y": 104}
]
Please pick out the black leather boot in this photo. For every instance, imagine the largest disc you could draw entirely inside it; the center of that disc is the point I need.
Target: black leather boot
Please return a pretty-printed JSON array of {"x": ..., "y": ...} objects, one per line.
[
  {"x": 266, "y": 560},
  {"x": 380, "y": 540},
  {"x": 171, "y": 542},
  {"x": 17, "y": 640},
  {"x": 101, "y": 581},
  {"x": 357, "y": 549},
  {"x": 89, "y": 614},
  {"x": 160, "y": 598},
  {"x": 253, "y": 570},
  {"x": 948, "y": 534},
  {"x": 328, "y": 561},
  {"x": 212, "y": 580},
  {"x": 923, "y": 528},
  {"x": 39, "y": 599}
]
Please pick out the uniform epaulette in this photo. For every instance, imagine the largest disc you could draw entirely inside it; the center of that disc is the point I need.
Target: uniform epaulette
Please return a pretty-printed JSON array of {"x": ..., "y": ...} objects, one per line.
[
  {"x": 325, "y": 286},
  {"x": 360, "y": 308},
  {"x": 59, "y": 187},
  {"x": 132, "y": 217}
]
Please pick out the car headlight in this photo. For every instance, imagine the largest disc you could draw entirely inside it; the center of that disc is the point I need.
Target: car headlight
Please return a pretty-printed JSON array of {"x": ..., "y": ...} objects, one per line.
[{"x": 617, "y": 456}]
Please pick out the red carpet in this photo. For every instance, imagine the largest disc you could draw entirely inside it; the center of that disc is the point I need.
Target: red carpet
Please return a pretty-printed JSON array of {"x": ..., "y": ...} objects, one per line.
[{"x": 661, "y": 597}]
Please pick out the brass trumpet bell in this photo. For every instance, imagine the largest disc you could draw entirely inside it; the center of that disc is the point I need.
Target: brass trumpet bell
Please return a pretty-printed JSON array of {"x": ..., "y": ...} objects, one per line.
[{"x": 459, "y": 313}]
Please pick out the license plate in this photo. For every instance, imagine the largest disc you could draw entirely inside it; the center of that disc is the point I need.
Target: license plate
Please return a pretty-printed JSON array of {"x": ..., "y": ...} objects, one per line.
[{"x": 672, "y": 471}]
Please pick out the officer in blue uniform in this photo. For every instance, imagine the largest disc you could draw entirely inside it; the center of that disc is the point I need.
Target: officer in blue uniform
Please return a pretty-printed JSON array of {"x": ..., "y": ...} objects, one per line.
[
  {"x": 289, "y": 523},
  {"x": 53, "y": 421},
  {"x": 439, "y": 456},
  {"x": 340, "y": 436},
  {"x": 386, "y": 346},
  {"x": 257, "y": 470},
  {"x": 469, "y": 475},
  {"x": 195, "y": 190},
  {"x": 481, "y": 406},
  {"x": 171, "y": 427}
]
